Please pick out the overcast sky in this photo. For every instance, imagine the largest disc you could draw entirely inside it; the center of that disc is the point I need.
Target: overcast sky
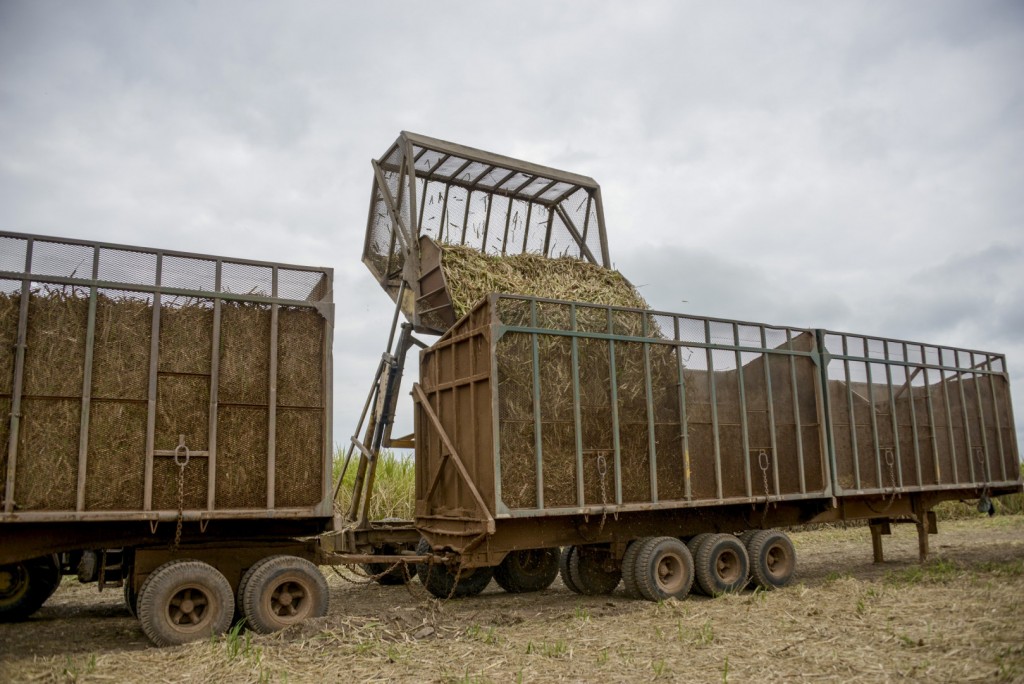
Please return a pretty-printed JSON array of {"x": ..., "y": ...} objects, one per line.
[{"x": 851, "y": 165}]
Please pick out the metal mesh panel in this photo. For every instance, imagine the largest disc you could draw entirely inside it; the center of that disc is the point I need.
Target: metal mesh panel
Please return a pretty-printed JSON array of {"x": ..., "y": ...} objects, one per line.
[
  {"x": 47, "y": 454},
  {"x": 300, "y": 285},
  {"x": 10, "y": 303},
  {"x": 516, "y": 421},
  {"x": 299, "y": 479},
  {"x": 165, "y": 484},
  {"x": 241, "y": 457},
  {"x": 127, "y": 266},
  {"x": 5, "y": 434},
  {"x": 55, "y": 354},
  {"x": 12, "y": 254},
  {"x": 246, "y": 279},
  {"x": 299, "y": 358},
  {"x": 116, "y": 458},
  {"x": 381, "y": 238},
  {"x": 120, "y": 366},
  {"x": 61, "y": 259},
  {"x": 182, "y": 408},
  {"x": 244, "y": 353},
  {"x": 188, "y": 273},
  {"x": 186, "y": 334}
]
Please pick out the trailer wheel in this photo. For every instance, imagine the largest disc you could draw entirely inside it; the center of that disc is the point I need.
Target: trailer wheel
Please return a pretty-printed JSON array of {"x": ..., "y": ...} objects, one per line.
[
  {"x": 25, "y": 586},
  {"x": 184, "y": 600},
  {"x": 592, "y": 570},
  {"x": 721, "y": 565},
  {"x": 663, "y": 568},
  {"x": 528, "y": 570},
  {"x": 564, "y": 560},
  {"x": 444, "y": 582},
  {"x": 772, "y": 558},
  {"x": 694, "y": 548},
  {"x": 283, "y": 591},
  {"x": 629, "y": 568}
]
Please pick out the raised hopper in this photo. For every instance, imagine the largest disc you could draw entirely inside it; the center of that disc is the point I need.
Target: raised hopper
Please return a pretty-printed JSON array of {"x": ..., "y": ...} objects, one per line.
[{"x": 429, "y": 192}]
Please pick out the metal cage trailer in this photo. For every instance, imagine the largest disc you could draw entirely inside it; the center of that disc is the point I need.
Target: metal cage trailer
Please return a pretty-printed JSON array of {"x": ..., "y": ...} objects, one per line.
[
  {"x": 665, "y": 449},
  {"x": 166, "y": 429}
]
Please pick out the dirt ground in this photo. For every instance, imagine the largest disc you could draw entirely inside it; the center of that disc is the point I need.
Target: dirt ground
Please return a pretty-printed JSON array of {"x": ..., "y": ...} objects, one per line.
[{"x": 958, "y": 618}]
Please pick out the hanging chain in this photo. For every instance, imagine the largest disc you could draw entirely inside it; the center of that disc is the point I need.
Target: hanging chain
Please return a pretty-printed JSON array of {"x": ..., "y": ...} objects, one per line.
[
  {"x": 602, "y": 470},
  {"x": 764, "y": 462},
  {"x": 985, "y": 504},
  {"x": 179, "y": 451},
  {"x": 891, "y": 462}
]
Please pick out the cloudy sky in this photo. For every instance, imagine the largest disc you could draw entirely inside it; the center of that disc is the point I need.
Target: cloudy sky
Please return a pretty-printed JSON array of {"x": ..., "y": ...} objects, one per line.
[{"x": 851, "y": 165}]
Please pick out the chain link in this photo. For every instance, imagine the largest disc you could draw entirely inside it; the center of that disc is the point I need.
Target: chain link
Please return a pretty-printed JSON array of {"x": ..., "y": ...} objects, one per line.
[
  {"x": 181, "y": 449},
  {"x": 764, "y": 463},
  {"x": 602, "y": 470}
]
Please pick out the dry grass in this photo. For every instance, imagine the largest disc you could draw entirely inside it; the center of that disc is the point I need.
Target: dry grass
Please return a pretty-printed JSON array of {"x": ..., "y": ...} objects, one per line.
[
  {"x": 471, "y": 275},
  {"x": 956, "y": 619}
]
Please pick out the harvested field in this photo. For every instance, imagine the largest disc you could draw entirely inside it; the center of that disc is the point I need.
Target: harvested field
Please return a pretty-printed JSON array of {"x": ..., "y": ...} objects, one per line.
[{"x": 955, "y": 619}]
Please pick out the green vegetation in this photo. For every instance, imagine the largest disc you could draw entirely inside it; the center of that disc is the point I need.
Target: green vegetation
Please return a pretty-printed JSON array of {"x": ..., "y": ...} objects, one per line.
[{"x": 394, "y": 484}]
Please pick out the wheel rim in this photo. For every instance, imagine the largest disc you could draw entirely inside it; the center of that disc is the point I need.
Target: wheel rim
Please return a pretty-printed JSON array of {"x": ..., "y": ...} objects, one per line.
[
  {"x": 671, "y": 575},
  {"x": 13, "y": 582},
  {"x": 727, "y": 566},
  {"x": 191, "y": 609},
  {"x": 289, "y": 602},
  {"x": 778, "y": 561}
]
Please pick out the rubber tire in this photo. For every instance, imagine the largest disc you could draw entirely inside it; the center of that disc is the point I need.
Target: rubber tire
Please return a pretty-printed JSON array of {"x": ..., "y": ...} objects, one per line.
[
  {"x": 746, "y": 536},
  {"x": 442, "y": 582},
  {"x": 242, "y": 584},
  {"x": 772, "y": 559},
  {"x": 528, "y": 570},
  {"x": 564, "y": 559},
  {"x": 587, "y": 571},
  {"x": 176, "y": 576},
  {"x": 273, "y": 574},
  {"x": 34, "y": 581},
  {"x": 711, "y": 551},
  {"x": 694, "y": 547},
  {"x": 657, "y": 555},
  {"x": 629, "y": 568}
]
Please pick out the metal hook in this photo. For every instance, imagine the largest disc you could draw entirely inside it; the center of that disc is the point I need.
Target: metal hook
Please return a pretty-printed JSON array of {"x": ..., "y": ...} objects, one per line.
[{"x": 181, "y": 449}]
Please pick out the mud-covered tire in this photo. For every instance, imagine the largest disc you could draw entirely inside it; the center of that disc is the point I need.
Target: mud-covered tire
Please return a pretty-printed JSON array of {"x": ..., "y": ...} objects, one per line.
[
  {"x": 663, "y": 569},
  {"x": 527, "y": 570},
  {"x": 693, "y": 545},
  {"x": 721, "y": 565},
  {"x": 564, "y": 559},
  {"x": 746, "y": 536},
  {"x": 592, "y": 571},
  {"x": 183, "y": 601},
  {"x": 628, "y": 567},
  {"x": 772, "y": 558},
  {"x": 283, "y": 591},
  {"x": 25, "y": 586},
  {"x": 444, "y": 582}
]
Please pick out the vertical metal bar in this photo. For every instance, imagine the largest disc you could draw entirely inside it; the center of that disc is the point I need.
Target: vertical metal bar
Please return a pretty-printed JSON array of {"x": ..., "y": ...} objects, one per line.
[
  {"x": 949, "y": 419},
  {"x": 614, "y": 384},
  {"x": 892, "y": 413},
  {"x": 19, "y": 378},
  {"x": 526, "y": 231},
  {"x": 931, "y": 421},
  {"x": 586, "y": 218},
  {"x": 714, "y": 409},
  {"x": 987, "y": 467},
  {"x": 684, "y": 430},
  {"x": 963, "y": 416},
  {"x": 995, "y": 413},
  {"x": 444, "y": 214},
  {"x": 771, "y": 414},
  {"x": 798, "y": 425},
  {"x": 652, "y": 452},
  {"x": 576, "y": 409},
  {"x": 90, "y": 345},
  {"x": 487, "y": 221},
  {"x": 744, "y": 425},
  {"x": 508, "y": 220},
  {"x": 874, "y": 417},
  {"x": 547, "y": 232},
  {"x": 272, "y": 400},
  {"x": 154, "y": 365},
  {"x": 423, "y": 203},
  {"x": 211, "y": 466},
  {"x": 913, "y": 417},
  {"x": 537, "y": 441},
  {"x": 852, "y": 413},
  {"x": 607, "y": 262},
  {"x": 465, "y": 216}
]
